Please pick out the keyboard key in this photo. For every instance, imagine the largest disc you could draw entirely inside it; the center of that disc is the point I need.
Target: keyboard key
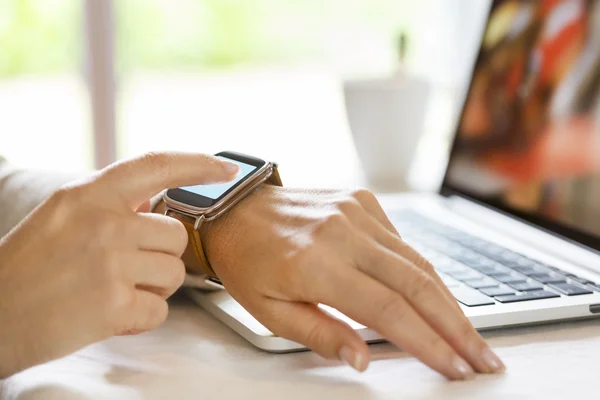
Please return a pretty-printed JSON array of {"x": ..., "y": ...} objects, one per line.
[
  {"x": 481, "y": 283},
  {"x": 469, "y": 241},
  {"x": 526, "y": 286},
  {"x": 497, "y": 291},
  {"x": 489, "y": 270},
  {"x": 449, "y": 282},
  {"x": 594, "y": 286},
  {"x": 525, "y": 262},
  {"x": 471, "y": 297},
  {"x": 530, "y": 270},
  {"x": 508, "y": 278},
  {"x": 569, "y": 289},
  {"x": 437, "y": 243},
  {"x": 542, "y": 269},
  {"x": 583, "y": 281},
  {"x": 449, "y": 232},
  {"x": 460, "y": 237},
  {"x": 534, "y": 295},
  {"x": 471, "y": 258},
  {"x": 510, "y": 256},
  {"x": 466, "y": 275},
  {"x": 548, "y": 278},
  {"x": 491, "y": 250},
  {"x": 467, "y": 257},
  {"x": 448, "y": 265},
  {"x": 519, "y": 262},
  {"x": 455, "y": 251},
  {"x": 505, "y": 256},
  {"x": 480, "y": 262}
]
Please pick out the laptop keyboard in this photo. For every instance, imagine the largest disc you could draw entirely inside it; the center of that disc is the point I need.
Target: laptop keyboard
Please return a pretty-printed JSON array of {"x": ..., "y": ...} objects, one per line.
[{"x": 481, "y": 273}]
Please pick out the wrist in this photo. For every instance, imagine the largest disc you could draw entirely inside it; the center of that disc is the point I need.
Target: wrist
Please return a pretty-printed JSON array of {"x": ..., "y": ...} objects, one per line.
[
  {"x": 222, "y": 234},
  {"x": 216, "y": 237}
]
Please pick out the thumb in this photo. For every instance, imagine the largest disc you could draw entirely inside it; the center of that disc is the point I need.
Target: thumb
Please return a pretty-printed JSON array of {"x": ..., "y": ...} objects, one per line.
[{"x": 138, "y": 179}]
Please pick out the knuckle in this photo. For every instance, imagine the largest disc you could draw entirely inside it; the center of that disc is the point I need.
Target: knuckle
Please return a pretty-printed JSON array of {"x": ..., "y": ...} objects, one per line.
[
  {"x": 393, "y": 308},
  {"x": 316, "y": 336},
  {"x": 158, "y": 314},
  {"x": 415, "y": 257},
  {"x": 120, "y": 297},
  {"x": 363, "y": 196},
  {"x": 349, "y": 206},
  {"x": 466, "y": 332},
  {"x": 61, "y": 196},
  {"x": 420, "y": 286},
  {"x": 162, "y": 313},
  {"x": 424, "y": 264},
  {"x": 63, "y": 202},
  {"x": 60, "y": 203},
  {"x": 72, "y": 192},
  {"x": 108, "y": 227},
  {"x": 335, "y": 219},
  {"x": 110, "y": 269},
  {"x": 334, "y": 222},
  {"x": 178, "y": 273},
  {"x": 436, "y": 342}
]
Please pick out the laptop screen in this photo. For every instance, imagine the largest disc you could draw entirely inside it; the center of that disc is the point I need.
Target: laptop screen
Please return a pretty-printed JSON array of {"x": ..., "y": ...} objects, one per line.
[{"x": 528, "y": 141}]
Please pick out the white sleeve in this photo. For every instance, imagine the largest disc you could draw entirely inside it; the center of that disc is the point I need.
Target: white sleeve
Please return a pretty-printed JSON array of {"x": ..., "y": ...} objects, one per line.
[{"x": 22, "y": 190}]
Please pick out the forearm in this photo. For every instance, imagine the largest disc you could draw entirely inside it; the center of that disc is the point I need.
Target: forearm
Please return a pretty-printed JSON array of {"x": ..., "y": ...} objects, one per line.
[{"x": 22, "y": 190}]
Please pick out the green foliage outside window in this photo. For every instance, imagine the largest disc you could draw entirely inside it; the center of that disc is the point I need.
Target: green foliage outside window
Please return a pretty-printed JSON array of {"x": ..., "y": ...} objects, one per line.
[{"x": 46, "y": 36}]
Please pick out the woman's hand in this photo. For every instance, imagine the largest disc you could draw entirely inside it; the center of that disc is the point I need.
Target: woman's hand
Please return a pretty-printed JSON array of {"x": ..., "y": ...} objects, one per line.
[
  {"x": 281, "y": 252},
  {"x": 84, "y": 266}
]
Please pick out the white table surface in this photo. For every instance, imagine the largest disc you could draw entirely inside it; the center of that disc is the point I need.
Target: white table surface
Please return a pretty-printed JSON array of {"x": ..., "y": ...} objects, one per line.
[{"x": 193, "y": 356}]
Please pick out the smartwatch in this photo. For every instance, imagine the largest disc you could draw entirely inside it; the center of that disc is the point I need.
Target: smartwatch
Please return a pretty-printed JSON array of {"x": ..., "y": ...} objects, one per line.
[{"x": 194, "y": 205}]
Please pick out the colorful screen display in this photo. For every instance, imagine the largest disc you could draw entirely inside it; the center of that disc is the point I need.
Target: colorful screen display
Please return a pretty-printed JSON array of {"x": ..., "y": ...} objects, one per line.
[{"x": 529, "y": 136}]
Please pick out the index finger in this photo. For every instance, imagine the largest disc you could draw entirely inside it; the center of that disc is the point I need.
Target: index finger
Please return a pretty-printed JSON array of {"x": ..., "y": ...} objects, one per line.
[{"x": 138, "y": 179}]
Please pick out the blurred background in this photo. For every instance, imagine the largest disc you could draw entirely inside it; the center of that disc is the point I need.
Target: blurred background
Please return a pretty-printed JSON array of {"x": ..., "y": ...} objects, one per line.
[{"x": 83, "y": 83}]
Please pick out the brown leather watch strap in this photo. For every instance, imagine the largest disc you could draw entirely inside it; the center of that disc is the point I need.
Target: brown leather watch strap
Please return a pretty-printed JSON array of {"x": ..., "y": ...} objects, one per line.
[{"x": 194, "y": 256}]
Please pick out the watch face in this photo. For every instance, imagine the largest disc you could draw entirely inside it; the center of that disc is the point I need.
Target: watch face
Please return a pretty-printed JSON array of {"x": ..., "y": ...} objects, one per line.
[{"x": 205, "y": 196}]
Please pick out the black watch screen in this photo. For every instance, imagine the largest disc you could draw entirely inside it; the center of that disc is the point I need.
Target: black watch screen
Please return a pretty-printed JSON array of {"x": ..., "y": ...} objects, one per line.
[{"x": 204, "y": 196}]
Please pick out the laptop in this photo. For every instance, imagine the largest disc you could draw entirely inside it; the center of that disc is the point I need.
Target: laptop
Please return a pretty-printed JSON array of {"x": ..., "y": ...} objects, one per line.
[{"x": 514, "y": 231}]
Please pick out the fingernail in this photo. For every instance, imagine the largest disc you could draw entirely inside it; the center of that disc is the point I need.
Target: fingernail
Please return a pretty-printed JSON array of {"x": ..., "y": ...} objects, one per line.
[
  {"x": 230, "y": 167},
  {"x": 462, "y": 368},
  {"x": 492, "y": 361},
  {"x": 353, "y": 359}
]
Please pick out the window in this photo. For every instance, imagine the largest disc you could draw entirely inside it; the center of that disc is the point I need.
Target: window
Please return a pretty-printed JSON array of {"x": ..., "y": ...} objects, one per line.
[
  {"x": 257, "y": 76},
  {"x": 260, "y": 76},
  {"x": 43, "y": 99}
]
